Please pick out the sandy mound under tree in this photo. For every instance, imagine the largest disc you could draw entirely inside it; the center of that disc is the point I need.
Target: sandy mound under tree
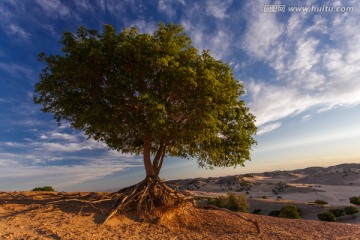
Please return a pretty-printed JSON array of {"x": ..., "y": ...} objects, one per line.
[{"x": 25, "y": 216}]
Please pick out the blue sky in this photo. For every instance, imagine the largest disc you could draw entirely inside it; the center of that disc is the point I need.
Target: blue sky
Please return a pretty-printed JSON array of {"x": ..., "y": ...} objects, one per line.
[{"x": 301, "y": 71}]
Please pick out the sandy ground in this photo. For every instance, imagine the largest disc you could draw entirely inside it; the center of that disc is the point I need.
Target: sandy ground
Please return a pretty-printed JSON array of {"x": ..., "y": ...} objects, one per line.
[
  {"x": 24, "y": 218},
  {"x": 301, "y": 190}
]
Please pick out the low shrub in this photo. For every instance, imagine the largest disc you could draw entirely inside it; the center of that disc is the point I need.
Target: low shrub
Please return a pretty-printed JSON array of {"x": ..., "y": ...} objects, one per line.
[
  {"x": 290, "y": 212},
  {"x": 326, "y": 217},
  {"x": 274, "y": 213},
  {"x": 337, "y": 212},
  {"x": 45, "y": 188},
  {"x": 256, "y": 211},
  {"x": 231, "y": 202},
  {"x": 351, "y": 210},
  {"x": 321, "y": 202},
  {"x": 355, "y": 200}
]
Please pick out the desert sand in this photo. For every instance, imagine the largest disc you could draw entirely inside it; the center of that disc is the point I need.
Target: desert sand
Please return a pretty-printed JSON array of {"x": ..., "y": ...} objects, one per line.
[
  {"x": 29, "y": 217},
  {"x": 273, "y": 190}
]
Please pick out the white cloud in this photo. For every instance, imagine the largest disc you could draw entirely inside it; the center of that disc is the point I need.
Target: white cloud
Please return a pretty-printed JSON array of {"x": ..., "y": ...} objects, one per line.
[
  {"x": 60, "y": 177},
  {"x": 12, "y": 144},
  {"x": 306, "y": 118},
  {"x": 217, "y": 8},
  {"x": 305, "y": 55},
  {"x": 166, "y": 7},
  {"x": 63, "y": 136},
  {"x": 54, "y": 8},
  {"x": 219, "y": 39},
  {"x": 262, "y": 33},
  {"x": 84, "y": 5},
  {"x": 58, "y": 147},
  {"x": 18, "y": 32},
  {"x": 144, "y": 26},
  {"x": 316, "y": 62},
  {"x": 17, "y": 70},
  {"x": 268, "y": 128},
  {"x": 31, "y": 122},
  {"x": 102, "y": 5}
]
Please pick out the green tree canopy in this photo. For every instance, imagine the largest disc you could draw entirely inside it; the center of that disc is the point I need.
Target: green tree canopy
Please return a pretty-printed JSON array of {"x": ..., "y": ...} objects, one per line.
[{"x": 148, "y": 94}]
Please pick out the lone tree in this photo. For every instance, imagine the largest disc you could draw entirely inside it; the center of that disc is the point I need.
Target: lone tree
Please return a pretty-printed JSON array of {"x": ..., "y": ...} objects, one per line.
[{"x": 153, "y": 95}]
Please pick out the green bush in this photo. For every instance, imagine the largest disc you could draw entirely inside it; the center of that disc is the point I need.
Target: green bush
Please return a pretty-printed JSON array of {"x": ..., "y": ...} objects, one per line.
[
  {"x": 337, "y": 212},
  {"x": 274, "y": 213},
  {"x": 326, "y": 217},
  {"x": 355, "y": 200},
  {"x": 231, "y": 202},
  {"x": 321, "y": 202},
  {"x": 45, "y": 188},
  {"x": 256, "y": 211},
  {"x": 350, "y": 210},
  {"x": 290, "y": 212}
]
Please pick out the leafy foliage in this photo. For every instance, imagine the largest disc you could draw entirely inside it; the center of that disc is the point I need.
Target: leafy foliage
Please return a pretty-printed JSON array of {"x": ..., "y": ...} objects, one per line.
[
  {"x": 231, "y": 202},
  {"x": 321, "y": 202},
  {"x": 45, "y": 188},
  {"x": 256, "y": 211},
  {"x": 274, "y": 213},
  {"x": 327, "y": 217},
  {"x": 337, "y": 212},
  {"x": 287, "y": 212},
  {"x": 151, "y": 94},
  {"x": 350, "y": 210},
  {"x": 290, "y": 212},
  {"x": 355, "y": 200}
]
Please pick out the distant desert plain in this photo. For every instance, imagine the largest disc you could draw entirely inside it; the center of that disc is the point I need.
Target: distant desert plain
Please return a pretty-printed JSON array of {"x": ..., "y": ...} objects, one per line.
[
  {"x": 34, "y": 215},
  {"x": 272, "y": 190}
]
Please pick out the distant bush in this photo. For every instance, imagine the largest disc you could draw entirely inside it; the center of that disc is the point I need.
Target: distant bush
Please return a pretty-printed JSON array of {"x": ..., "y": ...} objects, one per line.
[
  {"x": 264, "y": 197},
  {"x": 355, "y": 200},
  {"x": 231, "y": 202},
  {"x": 274, "y": 213},
  {"x": 256, "y": 211},
  {"x": 321, "y": 202},
  {"x": 290, "y": 212},
  {"x": 337, "y": 212},
  {"x": 46, "y": 188},
  {"x": 351, "y": 210},
  {"x": 326, "y": 217}
]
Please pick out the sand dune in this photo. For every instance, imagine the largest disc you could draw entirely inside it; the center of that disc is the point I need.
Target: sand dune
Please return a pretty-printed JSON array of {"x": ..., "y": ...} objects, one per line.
[{"x": 23, "y": 218}]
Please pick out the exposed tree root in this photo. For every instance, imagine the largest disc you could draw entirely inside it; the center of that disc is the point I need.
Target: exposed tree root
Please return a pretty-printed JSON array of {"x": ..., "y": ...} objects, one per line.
[{"x": 145, "y": 197}]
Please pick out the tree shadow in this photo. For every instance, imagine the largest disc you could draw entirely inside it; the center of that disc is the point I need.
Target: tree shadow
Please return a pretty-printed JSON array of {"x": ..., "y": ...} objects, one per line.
[{"x": 79, "y": 203}]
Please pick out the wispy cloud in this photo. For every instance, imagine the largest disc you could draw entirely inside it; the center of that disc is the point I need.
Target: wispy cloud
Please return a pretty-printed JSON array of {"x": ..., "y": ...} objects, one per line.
[
  {"x": 314, "y": 67},
  {"x": 54, "y": 8},
  {"x": 60, "y": 177},
  {"x": 84, "y": 5},
  {"x": 217, "y": 8},
  {"x": 166, "y": 7},
  {"x": 268, "y": 128},
  {"x": 17, "y": 70},
  {"x": 56, "y": 161},
  {"x": 18, "y": 32}
]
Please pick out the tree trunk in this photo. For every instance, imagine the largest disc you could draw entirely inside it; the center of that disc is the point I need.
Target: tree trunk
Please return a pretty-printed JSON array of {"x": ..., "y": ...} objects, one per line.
[{"x": 149, "y": 168}]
